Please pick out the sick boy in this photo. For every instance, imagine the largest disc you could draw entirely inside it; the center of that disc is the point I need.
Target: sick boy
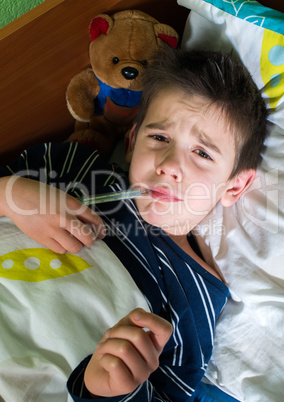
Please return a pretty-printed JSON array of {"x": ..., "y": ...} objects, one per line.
[{"x": 196, "y": 141}]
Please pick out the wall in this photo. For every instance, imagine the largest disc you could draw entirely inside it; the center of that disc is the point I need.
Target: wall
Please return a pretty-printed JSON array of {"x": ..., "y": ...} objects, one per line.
[{"x": 12, "y": 9}]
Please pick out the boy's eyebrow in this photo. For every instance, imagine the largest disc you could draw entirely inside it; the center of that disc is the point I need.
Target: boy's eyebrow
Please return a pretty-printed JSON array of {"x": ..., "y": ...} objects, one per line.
[
  {"x": 205, "y": 140},
  {"x": 163, "y": 125}
]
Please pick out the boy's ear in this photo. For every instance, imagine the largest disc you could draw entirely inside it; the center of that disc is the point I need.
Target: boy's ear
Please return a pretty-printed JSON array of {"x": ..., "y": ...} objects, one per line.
[
  {"x": 130, "y": 145},
  {"x": 239, "y": 184}
]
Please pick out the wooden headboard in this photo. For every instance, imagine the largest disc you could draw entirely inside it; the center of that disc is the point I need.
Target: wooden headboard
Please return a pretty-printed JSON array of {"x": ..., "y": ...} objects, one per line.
[{"x": 42, "y": 50}]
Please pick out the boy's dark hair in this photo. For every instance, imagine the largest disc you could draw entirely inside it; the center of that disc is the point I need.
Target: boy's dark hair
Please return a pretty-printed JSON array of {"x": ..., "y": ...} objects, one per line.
[{"x": 222, "y": 80}]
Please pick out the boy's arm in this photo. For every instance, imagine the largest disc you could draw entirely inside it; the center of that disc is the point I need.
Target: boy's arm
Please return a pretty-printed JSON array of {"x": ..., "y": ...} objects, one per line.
[
  {"x": 46, "y": 214},
  {"x": 50, "y": 216},
  {"x": 174, "y": 380},
  {"x": 123, "y": 361}
]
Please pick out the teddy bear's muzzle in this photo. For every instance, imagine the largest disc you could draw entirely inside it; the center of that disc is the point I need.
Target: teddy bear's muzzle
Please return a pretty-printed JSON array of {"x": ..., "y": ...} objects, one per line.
[{"x": 129, "y": 73}]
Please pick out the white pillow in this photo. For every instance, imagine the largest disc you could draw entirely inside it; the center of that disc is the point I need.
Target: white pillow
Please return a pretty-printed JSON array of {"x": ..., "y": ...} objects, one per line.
[
  {"x": 255, "y": 32},
  {"x": 246, "y": 242}
]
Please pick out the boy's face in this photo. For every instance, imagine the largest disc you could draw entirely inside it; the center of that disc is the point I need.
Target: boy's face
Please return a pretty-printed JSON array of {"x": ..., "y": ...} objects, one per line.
[{"x": 184, "y": 153}]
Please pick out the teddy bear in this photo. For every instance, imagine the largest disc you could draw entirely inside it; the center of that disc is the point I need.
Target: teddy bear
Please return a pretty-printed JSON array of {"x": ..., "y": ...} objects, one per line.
[{"x": 104, "y": 97}]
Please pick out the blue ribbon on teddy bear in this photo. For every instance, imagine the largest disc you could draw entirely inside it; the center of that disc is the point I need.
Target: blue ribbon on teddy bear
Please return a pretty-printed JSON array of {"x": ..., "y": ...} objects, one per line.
[{"x": 120, "y": 96}]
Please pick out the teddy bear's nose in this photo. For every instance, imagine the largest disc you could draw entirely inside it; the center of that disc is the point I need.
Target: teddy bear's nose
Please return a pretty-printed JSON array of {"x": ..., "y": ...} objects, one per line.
[{"x": 129, "y": 73}]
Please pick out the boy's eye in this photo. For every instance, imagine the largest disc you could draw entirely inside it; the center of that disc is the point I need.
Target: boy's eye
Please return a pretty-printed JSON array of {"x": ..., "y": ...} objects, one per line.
[
  {"x": 159, "y": 137},
  {"x": 202, "y": 153}
]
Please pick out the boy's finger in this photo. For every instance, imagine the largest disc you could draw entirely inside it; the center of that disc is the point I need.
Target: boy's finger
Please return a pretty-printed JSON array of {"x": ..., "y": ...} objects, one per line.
[
  {"x": 86, "y": 233},
  {"x": 140, "y": 362},
  {"x": 69, "y": 241},
  {"x": 116, "y": 380},
  {"x": 86, "y": 215},
  {"x": 160, "y": 329},
  {"x": 53, "y": 245},
  {"x": 128, "y": 341},
  {"x": 95, "y": 221}
]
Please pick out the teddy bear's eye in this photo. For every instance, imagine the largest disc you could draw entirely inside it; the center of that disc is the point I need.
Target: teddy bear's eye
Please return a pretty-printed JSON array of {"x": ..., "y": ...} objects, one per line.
[
  {"x": 115, "y": 60},
  {"x": 144, "y": 62}
]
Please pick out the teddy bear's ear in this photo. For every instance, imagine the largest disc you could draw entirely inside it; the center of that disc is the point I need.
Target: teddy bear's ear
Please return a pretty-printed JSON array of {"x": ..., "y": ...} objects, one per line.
[
  {"x": 166, "y": 34},
  {"x": 100, "y": 25}
]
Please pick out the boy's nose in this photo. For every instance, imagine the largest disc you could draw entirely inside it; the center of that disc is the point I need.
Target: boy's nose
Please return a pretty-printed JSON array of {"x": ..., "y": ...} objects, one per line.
[{"x": 170, "y": 167}]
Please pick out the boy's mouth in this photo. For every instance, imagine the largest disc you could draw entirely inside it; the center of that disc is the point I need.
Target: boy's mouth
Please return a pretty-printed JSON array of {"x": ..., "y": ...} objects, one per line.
[{"x": 163, "y": 195}]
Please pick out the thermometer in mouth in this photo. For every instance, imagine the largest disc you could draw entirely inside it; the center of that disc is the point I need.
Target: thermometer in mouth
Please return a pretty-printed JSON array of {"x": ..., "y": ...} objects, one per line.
[{"x": 115, "y": 196}]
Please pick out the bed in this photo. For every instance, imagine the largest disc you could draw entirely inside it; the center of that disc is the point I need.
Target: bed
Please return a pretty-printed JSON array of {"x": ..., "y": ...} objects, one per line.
[{"x": 245, "y": 242}]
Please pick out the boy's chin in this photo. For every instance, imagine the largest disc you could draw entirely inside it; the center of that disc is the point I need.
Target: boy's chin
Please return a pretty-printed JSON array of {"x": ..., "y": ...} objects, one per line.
[{"x": 166, "y": 217}]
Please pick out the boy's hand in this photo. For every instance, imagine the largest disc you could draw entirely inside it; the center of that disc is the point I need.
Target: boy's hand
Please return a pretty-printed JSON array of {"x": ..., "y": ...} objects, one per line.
[
  {"x": 50, "y": 216},
  {"x": 127, "y": 354}
]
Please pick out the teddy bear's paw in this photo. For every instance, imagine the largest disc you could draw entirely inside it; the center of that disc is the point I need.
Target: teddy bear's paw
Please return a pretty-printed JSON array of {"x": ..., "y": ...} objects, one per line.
[
  {"x": 94, "y": 139},
  {"x": 81, "y": 125}
]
